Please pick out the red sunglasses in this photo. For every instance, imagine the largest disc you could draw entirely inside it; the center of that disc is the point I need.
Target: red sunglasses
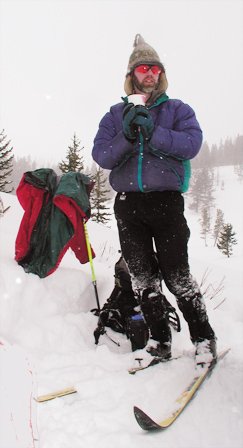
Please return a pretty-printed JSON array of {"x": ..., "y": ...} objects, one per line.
[{"x": 156, "y": 70}]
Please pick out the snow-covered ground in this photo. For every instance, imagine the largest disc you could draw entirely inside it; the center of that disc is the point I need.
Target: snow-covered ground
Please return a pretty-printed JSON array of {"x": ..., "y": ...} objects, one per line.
[{"x": 50, "y": 320}]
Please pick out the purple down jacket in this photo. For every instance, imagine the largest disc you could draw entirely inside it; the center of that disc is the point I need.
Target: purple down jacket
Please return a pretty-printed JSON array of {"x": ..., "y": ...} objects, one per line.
[{"x": 156, "y": 165}]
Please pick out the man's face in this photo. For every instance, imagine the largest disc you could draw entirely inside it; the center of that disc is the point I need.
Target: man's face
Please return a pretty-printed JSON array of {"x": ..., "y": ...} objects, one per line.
[{"x": 146, "y": 78}]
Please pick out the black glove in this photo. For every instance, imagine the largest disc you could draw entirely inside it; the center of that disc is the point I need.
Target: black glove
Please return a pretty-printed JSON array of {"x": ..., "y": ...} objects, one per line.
[
  {"x": 129, "y": 129},
  {"x": 144, "y": 121}
]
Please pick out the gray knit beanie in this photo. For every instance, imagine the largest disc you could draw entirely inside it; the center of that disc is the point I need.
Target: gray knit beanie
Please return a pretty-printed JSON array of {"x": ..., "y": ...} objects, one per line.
[{"x": 143, "y": 53}]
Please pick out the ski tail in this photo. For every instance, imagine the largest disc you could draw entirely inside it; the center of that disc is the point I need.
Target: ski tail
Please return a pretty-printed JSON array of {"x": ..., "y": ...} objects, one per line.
[
  {"x": 144, "y": 420},
  {"x": 147, "y": 423}
]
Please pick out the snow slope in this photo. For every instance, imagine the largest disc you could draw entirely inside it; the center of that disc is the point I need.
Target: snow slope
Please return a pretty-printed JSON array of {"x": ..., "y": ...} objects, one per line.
[{"x": 50, "y": 319}]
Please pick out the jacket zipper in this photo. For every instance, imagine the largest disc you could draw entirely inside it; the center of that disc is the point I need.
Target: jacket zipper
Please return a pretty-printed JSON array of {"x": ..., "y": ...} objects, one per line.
[{"x": 140, "y": 161}]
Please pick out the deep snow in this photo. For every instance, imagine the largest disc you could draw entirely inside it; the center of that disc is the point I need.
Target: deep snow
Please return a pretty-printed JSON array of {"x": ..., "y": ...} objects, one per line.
[{"x": 51, "y": 320}]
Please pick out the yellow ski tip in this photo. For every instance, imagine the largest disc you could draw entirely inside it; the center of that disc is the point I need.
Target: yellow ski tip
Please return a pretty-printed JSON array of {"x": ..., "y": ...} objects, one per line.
[{"x": 56, "y": 394}]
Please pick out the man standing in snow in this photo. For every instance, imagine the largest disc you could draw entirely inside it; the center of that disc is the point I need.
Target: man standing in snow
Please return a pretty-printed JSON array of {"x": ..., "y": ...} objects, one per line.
[{"x": 147, "y": 147}]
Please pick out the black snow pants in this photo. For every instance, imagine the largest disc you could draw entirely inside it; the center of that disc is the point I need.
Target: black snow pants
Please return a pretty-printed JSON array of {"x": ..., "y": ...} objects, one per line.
[{"x": 155, "y": 221}]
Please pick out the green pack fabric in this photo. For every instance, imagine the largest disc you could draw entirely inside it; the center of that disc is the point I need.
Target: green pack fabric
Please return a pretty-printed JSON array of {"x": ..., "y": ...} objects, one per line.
[{"x": 55, "y": 209}]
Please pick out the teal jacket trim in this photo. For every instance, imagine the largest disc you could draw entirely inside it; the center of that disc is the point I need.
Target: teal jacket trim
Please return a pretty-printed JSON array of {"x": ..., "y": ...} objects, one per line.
[
  {"x": 187, "y": 175},
  {"x": 140, "y": 161},
  {"x": 162, "y": 99}
]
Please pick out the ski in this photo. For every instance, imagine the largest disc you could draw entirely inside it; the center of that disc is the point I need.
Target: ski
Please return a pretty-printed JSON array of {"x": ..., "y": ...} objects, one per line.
[
  {"x": 56, "y": 394},
  {"x": 147, "y": 423}
]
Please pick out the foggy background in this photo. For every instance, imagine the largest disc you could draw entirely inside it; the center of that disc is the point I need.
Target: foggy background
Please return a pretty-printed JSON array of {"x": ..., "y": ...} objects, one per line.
[{"x": 63, "y": 64}]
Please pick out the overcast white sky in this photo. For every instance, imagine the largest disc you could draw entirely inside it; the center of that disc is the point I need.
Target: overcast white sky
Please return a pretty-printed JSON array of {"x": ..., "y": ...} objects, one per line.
[{"x": 63, "y": 63}]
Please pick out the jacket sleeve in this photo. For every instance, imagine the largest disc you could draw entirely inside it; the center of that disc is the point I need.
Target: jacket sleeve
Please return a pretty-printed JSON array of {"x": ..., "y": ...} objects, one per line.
[
  {"x": 184, "y": 140},
  {"x": 110, "y": 145}
]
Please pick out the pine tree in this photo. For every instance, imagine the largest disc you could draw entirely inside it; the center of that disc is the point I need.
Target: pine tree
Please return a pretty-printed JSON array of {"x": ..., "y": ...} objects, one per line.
[
  {"x": 226, "y": 240},
  {"x": 196, "y": 190},
  {"x": 205, "y": 224},
  {"x": 239, "y": 171},
  {"x": 219, "y": 222},
  {"x": 201, "y": 190},
  {"x": 98, "y": 198},
  {"x": 6, "y": 163},
  {"x": 74, "y": 161}
]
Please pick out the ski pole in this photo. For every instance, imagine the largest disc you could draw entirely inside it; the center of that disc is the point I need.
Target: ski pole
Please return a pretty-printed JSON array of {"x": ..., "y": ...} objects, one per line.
[{"x": 91, "y": 265}]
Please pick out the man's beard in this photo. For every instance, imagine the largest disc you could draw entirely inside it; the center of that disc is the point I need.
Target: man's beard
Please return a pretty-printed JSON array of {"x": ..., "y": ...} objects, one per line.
[{"x": 142, "y": 88}]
